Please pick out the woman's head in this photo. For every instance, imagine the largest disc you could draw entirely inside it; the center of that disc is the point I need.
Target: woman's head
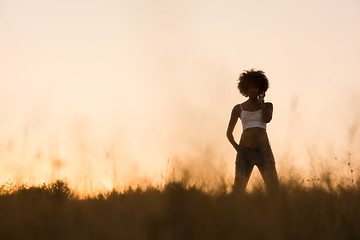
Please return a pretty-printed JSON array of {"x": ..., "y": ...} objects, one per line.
[{"x": 253, "y": 82}]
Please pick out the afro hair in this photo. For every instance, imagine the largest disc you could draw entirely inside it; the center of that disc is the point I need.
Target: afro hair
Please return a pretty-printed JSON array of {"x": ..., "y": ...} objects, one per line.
[{"x": 252, "y": 77}]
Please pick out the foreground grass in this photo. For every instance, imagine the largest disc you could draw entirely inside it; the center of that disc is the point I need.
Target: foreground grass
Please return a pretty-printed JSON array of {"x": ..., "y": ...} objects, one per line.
[{"x": 179, "y": 211}]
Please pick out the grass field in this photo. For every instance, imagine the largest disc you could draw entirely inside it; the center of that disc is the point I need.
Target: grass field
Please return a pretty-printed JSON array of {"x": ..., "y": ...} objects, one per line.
[{"x": 322, "y": 210}]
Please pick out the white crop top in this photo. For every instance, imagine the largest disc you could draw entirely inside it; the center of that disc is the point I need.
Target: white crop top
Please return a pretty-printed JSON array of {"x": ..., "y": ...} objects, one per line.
[{"x": 252, "y": 119}]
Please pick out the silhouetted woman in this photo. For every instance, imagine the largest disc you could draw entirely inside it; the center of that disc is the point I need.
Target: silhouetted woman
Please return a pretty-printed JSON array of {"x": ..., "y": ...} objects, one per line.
[{"x": 254, "y": 147}]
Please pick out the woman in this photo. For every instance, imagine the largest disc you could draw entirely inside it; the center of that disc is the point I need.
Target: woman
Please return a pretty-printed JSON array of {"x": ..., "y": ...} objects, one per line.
[{"x": 254, "y": 147}]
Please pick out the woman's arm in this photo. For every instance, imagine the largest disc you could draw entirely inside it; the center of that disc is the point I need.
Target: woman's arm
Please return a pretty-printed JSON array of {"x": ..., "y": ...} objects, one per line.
[
  {"x": 235, "y": 113},
  {"x": 266, "y": 108},
  {"x": 267, "y": 111}
]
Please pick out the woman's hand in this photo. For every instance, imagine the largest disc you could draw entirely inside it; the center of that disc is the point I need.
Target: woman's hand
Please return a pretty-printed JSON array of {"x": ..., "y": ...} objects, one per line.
[
  {"x": 261, "y": 97},
  {"x": 237, "y": 147}
]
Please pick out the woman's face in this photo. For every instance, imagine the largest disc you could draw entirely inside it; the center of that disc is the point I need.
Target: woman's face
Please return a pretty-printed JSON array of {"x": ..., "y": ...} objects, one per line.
[{"x": 253, "y": 91}]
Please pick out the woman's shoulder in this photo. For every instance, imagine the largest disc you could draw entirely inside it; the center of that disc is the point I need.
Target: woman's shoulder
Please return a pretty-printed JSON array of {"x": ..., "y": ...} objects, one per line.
[
  {"x": 268, "y": 104},
  {"x": 237, "y": 109}
]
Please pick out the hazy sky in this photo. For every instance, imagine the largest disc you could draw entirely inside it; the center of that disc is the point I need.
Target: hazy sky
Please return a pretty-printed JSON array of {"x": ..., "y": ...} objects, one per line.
[{"x": 106, "y": 92}]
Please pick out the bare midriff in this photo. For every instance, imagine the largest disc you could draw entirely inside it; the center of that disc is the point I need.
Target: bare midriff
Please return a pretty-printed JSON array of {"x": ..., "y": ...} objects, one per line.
[{"x": 252, "y": 137}]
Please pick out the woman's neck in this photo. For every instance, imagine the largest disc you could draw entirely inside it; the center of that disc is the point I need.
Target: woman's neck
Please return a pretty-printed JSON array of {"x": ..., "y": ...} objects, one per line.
[{"x": 253, "y": 100}]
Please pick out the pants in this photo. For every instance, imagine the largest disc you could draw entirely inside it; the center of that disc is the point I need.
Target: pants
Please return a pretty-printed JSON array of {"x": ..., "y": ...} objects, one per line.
[{"x": 263, "y": 158}]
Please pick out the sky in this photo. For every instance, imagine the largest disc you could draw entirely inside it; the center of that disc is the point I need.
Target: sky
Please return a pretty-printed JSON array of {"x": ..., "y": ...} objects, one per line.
[{"x": 106, "y": 94}]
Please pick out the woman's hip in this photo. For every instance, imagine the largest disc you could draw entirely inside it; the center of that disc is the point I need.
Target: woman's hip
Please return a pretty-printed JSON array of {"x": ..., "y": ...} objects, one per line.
[{"x": 258, "y": 153}]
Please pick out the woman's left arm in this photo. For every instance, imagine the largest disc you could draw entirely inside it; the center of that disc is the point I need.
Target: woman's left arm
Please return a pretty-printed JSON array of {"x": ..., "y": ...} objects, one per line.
[{"x": 267, "y": 111}]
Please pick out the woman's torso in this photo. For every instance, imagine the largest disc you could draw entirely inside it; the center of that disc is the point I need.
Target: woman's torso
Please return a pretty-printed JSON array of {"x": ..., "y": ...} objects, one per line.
[{"x": 253, "y": 136}]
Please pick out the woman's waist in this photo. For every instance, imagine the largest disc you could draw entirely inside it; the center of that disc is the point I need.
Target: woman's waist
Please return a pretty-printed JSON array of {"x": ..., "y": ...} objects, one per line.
[{"x": 250, "y": 139}]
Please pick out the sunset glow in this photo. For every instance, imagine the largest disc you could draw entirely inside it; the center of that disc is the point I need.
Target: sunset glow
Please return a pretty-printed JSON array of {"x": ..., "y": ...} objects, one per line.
[{"x": 108, "y": 94}]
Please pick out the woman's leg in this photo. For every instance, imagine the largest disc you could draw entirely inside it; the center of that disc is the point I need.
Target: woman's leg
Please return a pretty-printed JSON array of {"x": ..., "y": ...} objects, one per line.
[
  {"x": 243, "y": 169},
  {"x": 269, "y": 175},
  {"x": 267, "y": 168}
]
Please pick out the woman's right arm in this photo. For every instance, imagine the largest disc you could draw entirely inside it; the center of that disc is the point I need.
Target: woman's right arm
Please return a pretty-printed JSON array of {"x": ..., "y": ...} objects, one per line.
[{"x": 235, "y": 113}]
